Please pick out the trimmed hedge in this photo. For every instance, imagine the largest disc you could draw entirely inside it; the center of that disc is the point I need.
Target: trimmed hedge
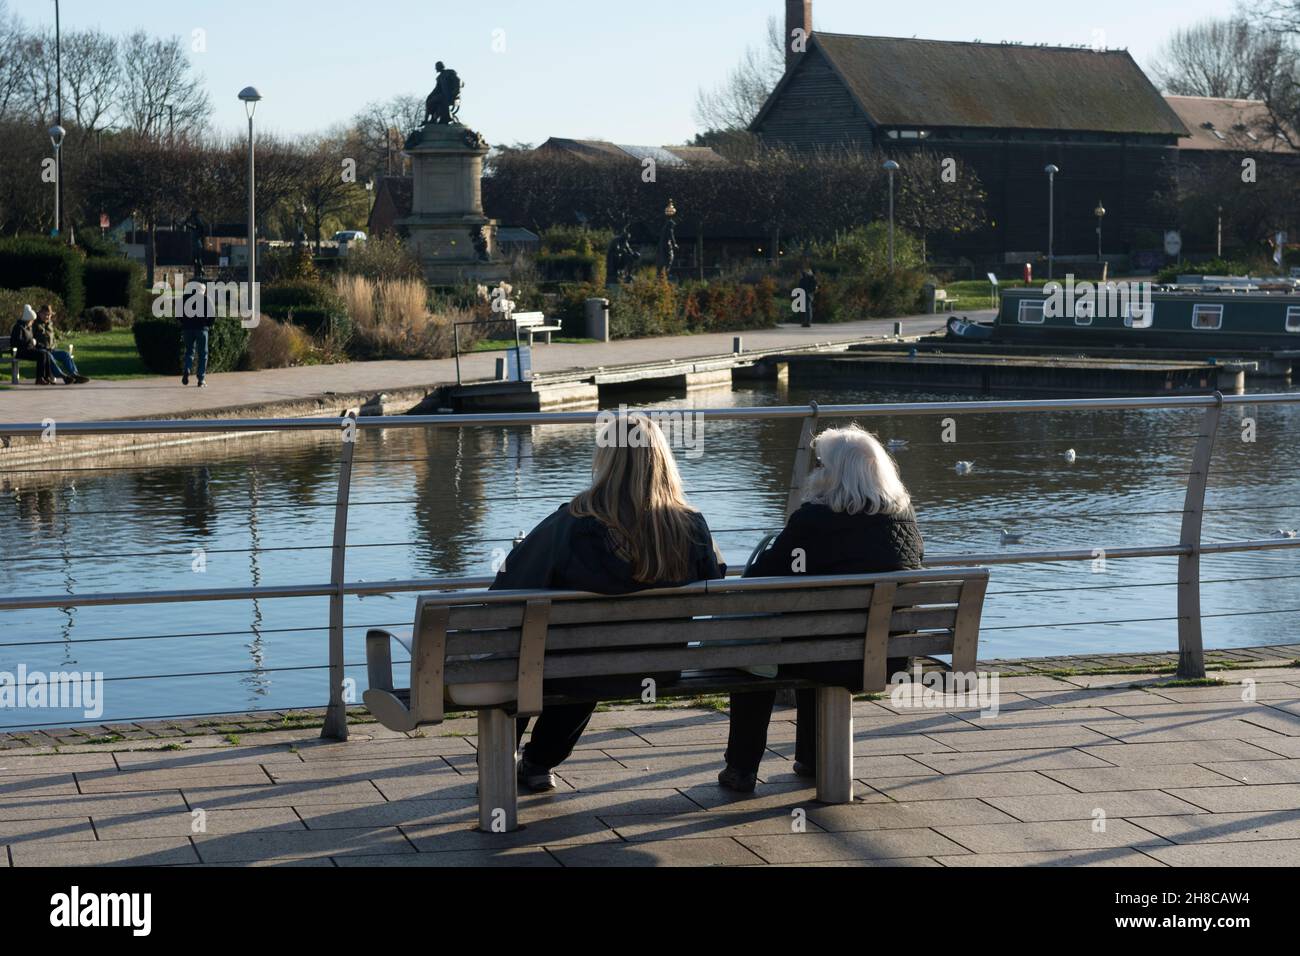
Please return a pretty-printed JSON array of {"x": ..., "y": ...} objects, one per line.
[
  {"x": 28, "y": 262},
  {"x": 160, "y": 345},
  {"x": 113, "y": 283},
  {"x": 314, "y": 307},
  {"x": 13, "y": 300}
]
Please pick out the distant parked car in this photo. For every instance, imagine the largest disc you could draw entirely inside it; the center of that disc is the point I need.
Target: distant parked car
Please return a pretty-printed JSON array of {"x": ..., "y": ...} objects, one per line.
[{"x": 346, "y": 237}]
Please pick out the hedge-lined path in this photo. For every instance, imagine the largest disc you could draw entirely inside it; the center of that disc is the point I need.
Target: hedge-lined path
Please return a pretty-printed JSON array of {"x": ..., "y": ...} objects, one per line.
[{"x": 164, "y": 397}]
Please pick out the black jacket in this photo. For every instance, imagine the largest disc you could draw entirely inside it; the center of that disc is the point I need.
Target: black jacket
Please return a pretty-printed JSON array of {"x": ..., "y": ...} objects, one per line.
[
  {"x": 569, "y": 553},
  {"x": 24, "y": 339},
  {"x": 839, "y": 543}
]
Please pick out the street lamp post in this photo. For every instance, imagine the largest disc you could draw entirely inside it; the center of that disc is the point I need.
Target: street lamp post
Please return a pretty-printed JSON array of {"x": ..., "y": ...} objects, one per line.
[
  {"x": 891, "y": 167},
  {"x": 1099, "y": 212},
  {"x": 56, "y": 137},
  {"x": 1051, "y": 171},
  {"x": 250, "y": 97},
  {"x": 58, "y": 122}
]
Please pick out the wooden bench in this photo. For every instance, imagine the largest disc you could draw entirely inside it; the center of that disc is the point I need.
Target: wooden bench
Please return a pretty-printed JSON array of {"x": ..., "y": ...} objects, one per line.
[
  {"x": 490, "y": 651},
  {"x": 534, "y": 323}
]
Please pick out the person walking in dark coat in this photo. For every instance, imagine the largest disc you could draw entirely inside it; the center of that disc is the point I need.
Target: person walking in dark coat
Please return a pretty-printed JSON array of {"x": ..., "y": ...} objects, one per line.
[
  {"x": 633, "y": 529},
  {"x": 23, "y": 338},
  {"x": 197, "y": 319},
  {"x": 856, "y": 518},
  {"x": 808, "y": 283}
]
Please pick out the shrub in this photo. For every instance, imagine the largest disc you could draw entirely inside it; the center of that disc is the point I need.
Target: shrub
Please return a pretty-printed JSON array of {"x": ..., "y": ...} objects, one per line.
[
  {"x": 382, "y": 258},
  {"x": 13, "y": 300},
  {"x": 572, "y": 266},
  {"x": 314, "y": 306},
  {"x": 273, "y": 344},
  {"x": 886, "y": 294},
  {"x": 864, "y": 250},
  {"x": 392, "y": 319},
  {"x": 569, "y": 306},
  {"x": 49, "y": 265},
  {"x": 643, "y": 307},
  {"x": 96, "y": 319},
  {"x": 730, "y": 306},
  {"x": 113, "y": 283},
  {"x": 159, "y": 343}
]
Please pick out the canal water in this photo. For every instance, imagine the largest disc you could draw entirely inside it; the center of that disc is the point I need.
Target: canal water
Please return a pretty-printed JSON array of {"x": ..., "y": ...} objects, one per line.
[{"x": 427, "y": 503}]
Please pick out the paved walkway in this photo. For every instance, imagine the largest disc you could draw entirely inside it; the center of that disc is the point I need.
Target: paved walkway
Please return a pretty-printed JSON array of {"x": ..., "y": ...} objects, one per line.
[
  {"x": 1113, "y": 769},
  {"x": 165, "y": 397}
]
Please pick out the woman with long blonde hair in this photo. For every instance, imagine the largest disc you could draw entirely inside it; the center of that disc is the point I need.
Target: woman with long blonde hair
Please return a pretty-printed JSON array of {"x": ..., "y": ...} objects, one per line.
[
  {"x": 632, "y": 529},
  {"x": 856, "y": 518}
]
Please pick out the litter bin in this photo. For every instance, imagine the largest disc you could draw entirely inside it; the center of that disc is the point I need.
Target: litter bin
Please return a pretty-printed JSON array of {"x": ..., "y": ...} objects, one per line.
[{"x": 598, "y": 319}]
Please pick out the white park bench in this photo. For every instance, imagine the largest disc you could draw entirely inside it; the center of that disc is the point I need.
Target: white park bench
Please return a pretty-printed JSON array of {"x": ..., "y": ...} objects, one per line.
[
  {"x": 534, "y": 323},
  {"x": 491, "y": 651},
  {"x": 941, "y": 301}
]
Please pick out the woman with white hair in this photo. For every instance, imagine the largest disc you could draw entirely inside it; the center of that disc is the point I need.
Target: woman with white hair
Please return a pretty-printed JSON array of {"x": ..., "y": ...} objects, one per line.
[
  {"x": 856, "y": 518},
  {"x": 631, "y": 530}
]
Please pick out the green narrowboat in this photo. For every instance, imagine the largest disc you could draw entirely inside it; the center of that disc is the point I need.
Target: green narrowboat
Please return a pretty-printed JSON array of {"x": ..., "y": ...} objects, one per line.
[{"x": 1142, "y": 315}]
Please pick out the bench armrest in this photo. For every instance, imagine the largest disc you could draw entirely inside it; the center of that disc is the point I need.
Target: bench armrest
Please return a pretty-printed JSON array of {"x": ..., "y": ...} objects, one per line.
[{"x": 379, "y": 657}]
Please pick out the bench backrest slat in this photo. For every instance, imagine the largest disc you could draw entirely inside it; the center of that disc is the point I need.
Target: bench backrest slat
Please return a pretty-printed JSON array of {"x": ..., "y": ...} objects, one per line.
[{"x": 634, "y": 607}]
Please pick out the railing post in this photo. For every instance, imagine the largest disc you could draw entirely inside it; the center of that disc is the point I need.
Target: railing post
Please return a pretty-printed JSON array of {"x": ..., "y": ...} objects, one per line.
[
  {"x": 1191, "y": 648},
  {"x": 336, "y": 714},
  {"x": 803, "y": 461}
]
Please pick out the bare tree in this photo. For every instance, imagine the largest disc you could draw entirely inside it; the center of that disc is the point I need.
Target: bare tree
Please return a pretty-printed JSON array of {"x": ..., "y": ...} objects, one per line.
[
  {"x": 160, "y": 92},
  {"x": 324, "y": 190},
  {"x": 380, "y": 130},
  {"x": 735, "y": 102},
  {"x": 1211, "y": 58},
  {"x": 92, "y": 76},
  {"x": 12, "y": 61}
]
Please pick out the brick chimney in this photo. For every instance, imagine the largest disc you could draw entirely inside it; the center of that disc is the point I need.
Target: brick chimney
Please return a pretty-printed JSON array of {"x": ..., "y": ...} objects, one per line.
[{"x": 798, "y": 16}]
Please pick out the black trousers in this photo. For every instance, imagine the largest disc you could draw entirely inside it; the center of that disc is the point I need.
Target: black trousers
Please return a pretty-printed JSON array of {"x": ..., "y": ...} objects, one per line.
[
  {"x": 555, "y": 734},
  {"x": 44, "y": 361},
  {"x": 751, "y": 712},
  {"x": 560, "y": 726}
]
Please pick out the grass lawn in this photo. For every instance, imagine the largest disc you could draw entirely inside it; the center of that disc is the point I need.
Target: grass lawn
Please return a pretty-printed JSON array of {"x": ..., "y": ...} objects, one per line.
[
  {"x": 497, "y": 345},
  {"x": 106, "y": 355},
  {"x": 974, "y": 293}
]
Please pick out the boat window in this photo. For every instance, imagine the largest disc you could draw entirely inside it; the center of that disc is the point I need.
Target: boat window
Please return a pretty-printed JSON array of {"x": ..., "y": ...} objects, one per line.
[
  {"x": 1293, "y": 318},
  {"x": 1207, "y": 317},
  {"x": 1031, "y": 313},
  {"x": 1138, "y": 316}
]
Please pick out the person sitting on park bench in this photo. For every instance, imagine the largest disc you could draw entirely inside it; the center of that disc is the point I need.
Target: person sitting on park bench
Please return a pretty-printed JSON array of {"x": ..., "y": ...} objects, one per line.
[
  {"x": 856, "y": 518},
  {"x": 633, "y": 529},
  {"x": 63, "y": 364},
  {"x": 23, "y": 339}
]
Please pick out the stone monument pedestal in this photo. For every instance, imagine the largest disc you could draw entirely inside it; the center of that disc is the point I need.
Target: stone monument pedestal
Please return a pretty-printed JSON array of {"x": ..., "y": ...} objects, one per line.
[{"x": 453, "y": 239}]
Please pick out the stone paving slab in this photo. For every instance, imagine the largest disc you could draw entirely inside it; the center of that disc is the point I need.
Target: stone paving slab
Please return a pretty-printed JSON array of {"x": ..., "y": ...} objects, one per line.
[
  {"x": 1050, "y": 835},
  {"x": 1264, "y": 853},
  {"x": 1192, "y": 781},
  {"x": 1107, "y": 856}
]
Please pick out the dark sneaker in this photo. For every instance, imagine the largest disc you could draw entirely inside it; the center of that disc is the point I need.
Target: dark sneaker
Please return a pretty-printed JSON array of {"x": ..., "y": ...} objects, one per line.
[
  {"x": 802, "y": 769},
  {"x": 534, "y": 778},
  {"x": 737, "y": 780},
  {"x": 185, "y": 378},
  {"x": 202, "y": 384}
]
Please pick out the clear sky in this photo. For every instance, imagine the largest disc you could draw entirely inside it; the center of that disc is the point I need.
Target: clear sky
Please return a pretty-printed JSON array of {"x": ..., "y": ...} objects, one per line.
[{"x": 622, "y": 70}]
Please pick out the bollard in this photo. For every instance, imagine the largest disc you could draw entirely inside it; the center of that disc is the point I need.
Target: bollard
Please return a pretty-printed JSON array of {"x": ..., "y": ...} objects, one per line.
[
  {"x": 737, "y": 345},
  {"x": 501, "y": 370},
  {"x": 898, "y": 330}
]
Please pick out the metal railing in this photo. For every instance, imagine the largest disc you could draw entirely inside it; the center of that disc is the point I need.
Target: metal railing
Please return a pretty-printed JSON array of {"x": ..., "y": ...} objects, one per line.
[{"x": 1188, "y": 549}]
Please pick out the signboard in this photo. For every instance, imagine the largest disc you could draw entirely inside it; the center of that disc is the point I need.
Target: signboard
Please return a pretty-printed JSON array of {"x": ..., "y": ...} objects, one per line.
[
  {"x": 1173, "y": 242},
  {"x": 993, "y": 278},
  {"x": 103, "y": 220},
  {"x": 519, "y": 364}
]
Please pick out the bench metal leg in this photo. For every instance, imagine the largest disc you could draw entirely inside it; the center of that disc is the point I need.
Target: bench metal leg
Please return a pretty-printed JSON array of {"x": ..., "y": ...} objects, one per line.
[
  {"x": 834, "y": 745},
  {"x": 497, "y": 799}
]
